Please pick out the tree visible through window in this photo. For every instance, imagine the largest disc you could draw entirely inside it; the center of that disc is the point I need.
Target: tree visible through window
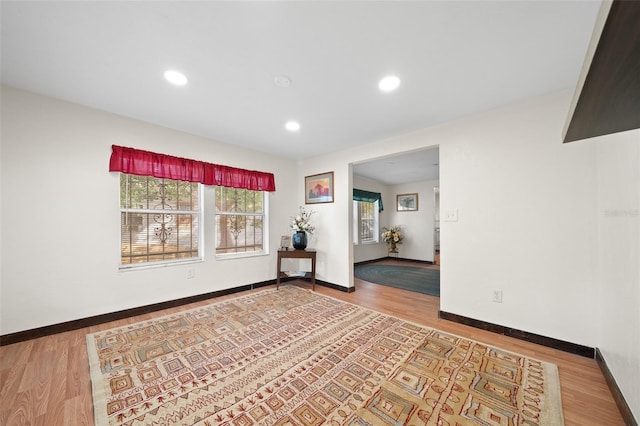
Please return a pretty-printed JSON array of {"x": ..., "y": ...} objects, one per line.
[
  {"x": 240, "y": 219},
  {"x": 159, "y": 220}
]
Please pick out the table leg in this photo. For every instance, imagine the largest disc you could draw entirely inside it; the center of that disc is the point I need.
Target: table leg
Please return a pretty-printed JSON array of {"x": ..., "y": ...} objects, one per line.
[
  {"x": 278, "y": 272},
  {"x": 313, "y": 273}
]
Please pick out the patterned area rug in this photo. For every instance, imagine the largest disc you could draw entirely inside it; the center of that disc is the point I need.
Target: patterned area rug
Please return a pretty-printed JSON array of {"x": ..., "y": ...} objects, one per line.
[{"x": 294, "y": 357}]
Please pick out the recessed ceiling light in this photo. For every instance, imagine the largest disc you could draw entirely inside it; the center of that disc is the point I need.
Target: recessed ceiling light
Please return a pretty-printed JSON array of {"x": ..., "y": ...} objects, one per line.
[
  {"x": 292, "y": 126},
  {"x": 389, "y": 83},
  {"x": 175, "y": 77},
  {"x": 282, "y": 81}
]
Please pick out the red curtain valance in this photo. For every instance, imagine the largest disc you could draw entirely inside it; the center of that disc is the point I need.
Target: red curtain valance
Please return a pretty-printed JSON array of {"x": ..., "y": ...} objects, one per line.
[{"x": 146, "y": 163}]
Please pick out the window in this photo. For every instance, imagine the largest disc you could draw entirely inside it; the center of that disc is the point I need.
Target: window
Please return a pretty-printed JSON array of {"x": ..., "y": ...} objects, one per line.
[
  {"x": 365, "y": 222},
  {"x": 240, "y": 221},
  {"x": 159, "y": 220}
]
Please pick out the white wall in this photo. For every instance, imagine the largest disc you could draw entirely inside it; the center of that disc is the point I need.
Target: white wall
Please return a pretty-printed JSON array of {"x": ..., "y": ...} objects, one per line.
[
  {"x": 418, "y": 225},
  {"x": 526, "y": 222},
  {"x": 61, "y": 220},
  {"x": 333, "y": 236},
  {"x": 618, "y": 275}
]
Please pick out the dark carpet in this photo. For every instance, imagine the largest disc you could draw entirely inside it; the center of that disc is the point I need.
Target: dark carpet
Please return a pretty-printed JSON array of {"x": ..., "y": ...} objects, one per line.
[{"x": 411, "y": 278}]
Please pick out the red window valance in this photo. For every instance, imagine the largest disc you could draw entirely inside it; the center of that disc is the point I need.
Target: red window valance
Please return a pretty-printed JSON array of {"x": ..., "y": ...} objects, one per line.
[{"x": 146, "y": 163}]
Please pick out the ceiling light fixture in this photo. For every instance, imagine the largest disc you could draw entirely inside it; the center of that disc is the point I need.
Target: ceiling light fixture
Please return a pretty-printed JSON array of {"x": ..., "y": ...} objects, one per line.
[
  {"x": 282, "y": 81},
  {"x": 175, "y": 77},
  {"x": 389, "y": 83},
  {"x": 292, "y": 126}
]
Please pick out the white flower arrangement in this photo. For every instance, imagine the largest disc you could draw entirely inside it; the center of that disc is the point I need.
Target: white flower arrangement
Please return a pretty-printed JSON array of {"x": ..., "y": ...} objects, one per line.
[{"x": 300, "y": 223}]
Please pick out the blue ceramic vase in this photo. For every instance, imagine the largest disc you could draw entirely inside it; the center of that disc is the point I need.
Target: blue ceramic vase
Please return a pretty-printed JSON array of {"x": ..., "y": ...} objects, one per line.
[{"x": 300, "y": 240}]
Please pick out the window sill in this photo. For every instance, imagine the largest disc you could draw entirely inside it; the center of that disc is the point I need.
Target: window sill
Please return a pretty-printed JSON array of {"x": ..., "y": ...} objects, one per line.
[
  {"x": 141, "y": 266},
  {"x": 229, "y": 256}
]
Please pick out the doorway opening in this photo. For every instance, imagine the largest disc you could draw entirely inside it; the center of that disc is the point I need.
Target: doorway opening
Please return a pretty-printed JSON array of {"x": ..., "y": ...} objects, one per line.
[{"x": 413, "y": 176}]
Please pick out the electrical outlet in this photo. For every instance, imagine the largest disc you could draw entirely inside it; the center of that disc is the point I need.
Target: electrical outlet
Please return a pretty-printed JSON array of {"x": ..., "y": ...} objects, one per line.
[
  {"x": 496, "y": 295},
  {"x": 190, "y": 273},
  {"x": 451, "y": 215}
]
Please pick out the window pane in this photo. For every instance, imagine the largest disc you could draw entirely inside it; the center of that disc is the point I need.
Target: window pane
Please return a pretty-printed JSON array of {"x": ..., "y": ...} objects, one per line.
[
  {"x": 239, "y": 220},
  {"x": 366, "y": 233},
  {"x": 368, "y": 221},
  {"x": 158, "y": 233},
  {"x": 134, "y": 192},
  {"x": 238, "y": 200},
  {"x": 146, "y": 192},
  {"x": 187, "y": 196},
  {"x": 172, "y": 236}
]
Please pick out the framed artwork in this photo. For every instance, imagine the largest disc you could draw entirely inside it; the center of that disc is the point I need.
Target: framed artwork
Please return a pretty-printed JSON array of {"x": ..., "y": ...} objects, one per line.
[
  {"x": 318, "y": 188},
  {"x": 407, "y": 202},
  {"x": 285, "y": 241}
]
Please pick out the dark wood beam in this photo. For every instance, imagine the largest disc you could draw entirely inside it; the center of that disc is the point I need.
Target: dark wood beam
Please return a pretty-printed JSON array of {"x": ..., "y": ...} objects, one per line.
[{"x": 609, "y": 100}]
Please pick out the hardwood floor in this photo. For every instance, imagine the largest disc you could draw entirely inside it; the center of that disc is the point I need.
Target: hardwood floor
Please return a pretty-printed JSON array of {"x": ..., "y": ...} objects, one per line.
[{"x": 46, "y": 381}]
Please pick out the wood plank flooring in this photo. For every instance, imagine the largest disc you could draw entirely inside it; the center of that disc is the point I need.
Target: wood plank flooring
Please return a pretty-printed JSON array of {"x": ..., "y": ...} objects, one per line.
[{"x": 46, "y": 381}]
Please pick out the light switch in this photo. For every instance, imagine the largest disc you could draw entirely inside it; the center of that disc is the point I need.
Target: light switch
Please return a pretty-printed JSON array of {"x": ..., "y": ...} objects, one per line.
[{"x": 451, "y": 215}]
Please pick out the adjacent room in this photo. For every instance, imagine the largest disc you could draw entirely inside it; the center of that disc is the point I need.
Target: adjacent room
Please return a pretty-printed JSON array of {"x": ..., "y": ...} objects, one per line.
[
  {"x": 188, "y": 191},
  {"x": 396, "y": 221}
]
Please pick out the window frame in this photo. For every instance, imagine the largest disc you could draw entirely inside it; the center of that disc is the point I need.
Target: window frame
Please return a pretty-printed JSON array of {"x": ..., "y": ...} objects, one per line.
[
  {"x": 170, "y": 262},
  {"x": 357, "y": 219},
  {"x": 265, "y": 227}
]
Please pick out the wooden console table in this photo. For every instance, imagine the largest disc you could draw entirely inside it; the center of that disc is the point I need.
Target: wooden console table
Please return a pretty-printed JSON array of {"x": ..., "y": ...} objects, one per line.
[{"x": 297, "y": 254}]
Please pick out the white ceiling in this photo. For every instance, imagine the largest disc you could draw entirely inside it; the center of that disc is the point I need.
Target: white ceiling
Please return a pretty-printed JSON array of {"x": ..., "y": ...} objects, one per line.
[
  {"x": 454, "y": 58},
  {"x": 412, "y": 166}
]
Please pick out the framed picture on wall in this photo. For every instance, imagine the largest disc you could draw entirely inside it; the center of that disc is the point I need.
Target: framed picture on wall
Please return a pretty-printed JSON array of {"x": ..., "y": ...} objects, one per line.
[
  {"x": 318, "y": 188},
  {"x": 407, "y": 202}
]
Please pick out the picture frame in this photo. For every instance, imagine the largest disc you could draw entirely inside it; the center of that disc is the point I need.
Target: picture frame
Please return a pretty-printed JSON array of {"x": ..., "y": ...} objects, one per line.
[
  {"x": 407, "y": 202},
  {"x": 318, "y": 188},
  {"x": 285, "y": 242}
]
